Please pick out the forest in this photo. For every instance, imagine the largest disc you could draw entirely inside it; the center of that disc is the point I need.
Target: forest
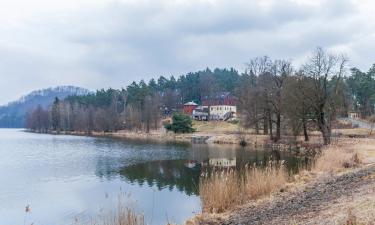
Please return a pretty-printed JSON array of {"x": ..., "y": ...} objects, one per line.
[{"x": 274, "y": 98}]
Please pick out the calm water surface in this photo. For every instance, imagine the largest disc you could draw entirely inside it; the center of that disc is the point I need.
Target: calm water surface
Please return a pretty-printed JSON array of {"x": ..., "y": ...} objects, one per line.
[{"x": 67, "y": 177}]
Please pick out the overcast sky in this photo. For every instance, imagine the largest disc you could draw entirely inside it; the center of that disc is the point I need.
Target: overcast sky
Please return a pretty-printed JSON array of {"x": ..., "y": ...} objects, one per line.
[{"x": 109, "y": 43}]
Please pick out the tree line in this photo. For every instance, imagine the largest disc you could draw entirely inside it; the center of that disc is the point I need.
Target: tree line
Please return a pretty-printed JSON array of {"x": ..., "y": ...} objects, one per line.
[
  {"x": 140, "y": 106},
  {"x": 274, "y": 98},
  {"x": 274, "y": 95}
]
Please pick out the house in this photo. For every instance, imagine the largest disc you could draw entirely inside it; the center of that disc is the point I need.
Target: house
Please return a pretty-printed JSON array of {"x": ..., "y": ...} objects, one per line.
[
  {"x": 189, "y": 108},
  {"x": 222, "y": 112},
  {"x": 201, "y": 113},
  {"x": 221, "y": 107}
]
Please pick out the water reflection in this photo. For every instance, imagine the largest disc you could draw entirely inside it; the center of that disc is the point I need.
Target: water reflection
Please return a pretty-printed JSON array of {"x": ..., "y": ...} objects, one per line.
[
  {"x": 63, "y": 176},
  {"x": 183, "y": 173},
  {"x": 164, "y": 174}
]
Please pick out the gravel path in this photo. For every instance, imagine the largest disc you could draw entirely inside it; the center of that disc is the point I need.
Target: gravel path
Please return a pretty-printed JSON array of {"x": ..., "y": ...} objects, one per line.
[
  {"x": 359, "y": 123},
  {"x": 303, "y": 207}
]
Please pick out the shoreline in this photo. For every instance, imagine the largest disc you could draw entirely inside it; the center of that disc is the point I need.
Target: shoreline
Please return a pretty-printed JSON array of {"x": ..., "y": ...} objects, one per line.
[
  {"x": 298, "y": 148},
  {"x": 329, "y": 194},
  {"x": 205, "y": 138}
]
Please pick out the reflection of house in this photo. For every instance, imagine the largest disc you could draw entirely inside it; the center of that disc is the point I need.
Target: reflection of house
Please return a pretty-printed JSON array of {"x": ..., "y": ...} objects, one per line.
[
  {"x": 189, "y": 108},
  {"x": 201, "y": 113},
  {"x": 353, "y": 115},
  {"x": 222, "y": 162}
]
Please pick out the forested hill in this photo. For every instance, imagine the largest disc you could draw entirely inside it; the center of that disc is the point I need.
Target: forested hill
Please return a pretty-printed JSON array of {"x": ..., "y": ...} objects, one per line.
[{"x": 13, "y": 114}]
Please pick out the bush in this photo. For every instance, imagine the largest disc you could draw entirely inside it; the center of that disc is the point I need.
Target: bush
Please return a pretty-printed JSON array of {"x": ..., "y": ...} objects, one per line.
[{"x": 180, "y": 124}]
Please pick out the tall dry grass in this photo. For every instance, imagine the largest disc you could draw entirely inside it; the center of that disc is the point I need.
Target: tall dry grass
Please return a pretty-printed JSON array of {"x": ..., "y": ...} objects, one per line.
[
  {"x": 337, "y": 157},
  {"x": 123, "y": 214},
  {"x": 222, "y": 190}
]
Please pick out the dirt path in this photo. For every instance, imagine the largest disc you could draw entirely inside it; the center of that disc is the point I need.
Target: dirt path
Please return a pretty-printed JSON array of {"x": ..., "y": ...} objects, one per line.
[
  {"x": 324, "y": 202},
  {"x": 359, "y": 123}
]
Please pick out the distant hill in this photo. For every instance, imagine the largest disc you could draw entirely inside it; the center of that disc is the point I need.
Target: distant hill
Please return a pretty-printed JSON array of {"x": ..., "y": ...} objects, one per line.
[{"x": 13, "y": 114}]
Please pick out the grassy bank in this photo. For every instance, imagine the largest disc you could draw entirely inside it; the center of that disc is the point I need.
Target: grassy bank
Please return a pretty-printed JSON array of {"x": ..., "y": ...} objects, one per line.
[
  {"x": 223, "y": 190},
  {"x": 222, "y": 132},
  {"x": 229, "y": 197}
]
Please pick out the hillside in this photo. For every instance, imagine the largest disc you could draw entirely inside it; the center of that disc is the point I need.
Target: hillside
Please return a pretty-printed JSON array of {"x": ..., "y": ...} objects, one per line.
[{"x": 13, "y": 114}]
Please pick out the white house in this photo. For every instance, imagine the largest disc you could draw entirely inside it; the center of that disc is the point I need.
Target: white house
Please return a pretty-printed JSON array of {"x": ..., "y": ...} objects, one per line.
[{"x": 222, "y": 112}]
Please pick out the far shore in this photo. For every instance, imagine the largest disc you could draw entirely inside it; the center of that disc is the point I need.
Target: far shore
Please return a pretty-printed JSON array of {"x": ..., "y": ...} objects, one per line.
[{"x": 224, "y": 133}]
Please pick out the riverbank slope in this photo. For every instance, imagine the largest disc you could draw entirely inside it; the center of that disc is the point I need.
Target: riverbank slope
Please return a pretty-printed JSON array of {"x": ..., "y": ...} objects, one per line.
[{"x": 323, "y": 196}]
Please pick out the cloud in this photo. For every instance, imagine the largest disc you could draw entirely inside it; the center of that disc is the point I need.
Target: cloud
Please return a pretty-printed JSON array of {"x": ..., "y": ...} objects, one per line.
[{"x": 107, "y": 43}]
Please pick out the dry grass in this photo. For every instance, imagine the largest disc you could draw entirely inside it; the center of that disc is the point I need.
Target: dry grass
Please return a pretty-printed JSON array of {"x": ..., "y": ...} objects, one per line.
[
  {"x": 122, "y": 215},
  {"x": 354, "y": 132},
  {"x": 215, "y": 126},
  {"x": 335, "y": 158},
  {"x": 363, "y": 213},
  {"x": 222, "y": 190},
  {"x": 366, "y": 147}
]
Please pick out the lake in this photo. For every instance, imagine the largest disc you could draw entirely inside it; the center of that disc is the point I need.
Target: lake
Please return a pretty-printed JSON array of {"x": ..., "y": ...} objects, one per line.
[{"x": 64, "y": 178}]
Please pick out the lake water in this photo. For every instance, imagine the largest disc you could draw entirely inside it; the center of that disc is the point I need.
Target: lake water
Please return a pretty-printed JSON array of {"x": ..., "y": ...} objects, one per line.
[{"x": 63, "y": 178}]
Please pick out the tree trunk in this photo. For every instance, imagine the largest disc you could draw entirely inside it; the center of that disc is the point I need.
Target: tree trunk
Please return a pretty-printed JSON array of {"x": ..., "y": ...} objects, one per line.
[
  {"x": 278, "y": 127},
  {"x": 256, "y": 127},
  {"x": 325, "y": 129},
  {"x": 265, "y": 124},
  {"x": 270, "y": 124},
  {"x": 305, "y": 129},
  {"x": 326, "y": 136},
  {"x": 148, "y": 126}
]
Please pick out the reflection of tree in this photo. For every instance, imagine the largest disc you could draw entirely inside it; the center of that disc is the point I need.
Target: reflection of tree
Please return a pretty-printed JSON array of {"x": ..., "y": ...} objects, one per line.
[
  {"x": 172, "y": 173},
  {"x": 163, "y": 174}
]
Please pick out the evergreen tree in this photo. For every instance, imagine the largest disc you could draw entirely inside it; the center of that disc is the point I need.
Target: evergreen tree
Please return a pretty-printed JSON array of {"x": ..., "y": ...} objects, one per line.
[
  {"x": 180, "y": 124},
  {"x": 55, "y": 114}
]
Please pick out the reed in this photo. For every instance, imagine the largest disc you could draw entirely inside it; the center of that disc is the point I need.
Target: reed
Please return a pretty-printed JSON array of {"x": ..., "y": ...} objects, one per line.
[
  {"x": 222, "y": 190},
  {"x": 123, "y": 214},
  {"x": 337, "y": 157}
]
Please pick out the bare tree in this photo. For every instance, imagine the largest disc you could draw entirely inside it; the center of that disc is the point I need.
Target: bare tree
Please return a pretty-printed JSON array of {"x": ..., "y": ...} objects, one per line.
[
  {"x": 296, "y": 109},
  {"x": 320, "y": 68},
  {"x": 251, "y": 95},
  {"x": 280, "y": 70}
]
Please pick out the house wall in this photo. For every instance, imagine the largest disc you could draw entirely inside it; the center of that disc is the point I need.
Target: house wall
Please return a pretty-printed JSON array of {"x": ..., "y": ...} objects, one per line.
[
  {"x": 188, "y": 109},
  {"x": 220, "y": 110}
]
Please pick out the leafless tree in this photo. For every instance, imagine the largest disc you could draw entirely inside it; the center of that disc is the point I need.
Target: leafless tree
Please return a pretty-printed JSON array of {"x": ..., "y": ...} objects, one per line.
[{"x": 320, "y": 68}]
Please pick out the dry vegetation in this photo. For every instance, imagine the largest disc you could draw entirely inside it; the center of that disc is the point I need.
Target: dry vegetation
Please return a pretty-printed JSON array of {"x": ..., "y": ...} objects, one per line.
[
  {"x": 222, "y": 190},
  {"x": 339, "y": 189},
  {"x": 122, "y": 215},
  {"x": 335, "y": 158},
  {"x": 215, "y": 126}
]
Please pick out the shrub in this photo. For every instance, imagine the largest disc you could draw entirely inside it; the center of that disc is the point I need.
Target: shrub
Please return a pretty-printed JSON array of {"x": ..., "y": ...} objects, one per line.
[{"x": 180, "y": 124}]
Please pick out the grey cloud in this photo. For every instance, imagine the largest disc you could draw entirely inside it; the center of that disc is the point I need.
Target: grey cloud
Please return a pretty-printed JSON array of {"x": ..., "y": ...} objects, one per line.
[{"x": 119, "y": 42}]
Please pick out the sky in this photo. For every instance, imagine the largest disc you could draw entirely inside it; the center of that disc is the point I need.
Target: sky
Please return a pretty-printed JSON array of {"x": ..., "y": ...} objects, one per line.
[{"x": 110, "y": 43}]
